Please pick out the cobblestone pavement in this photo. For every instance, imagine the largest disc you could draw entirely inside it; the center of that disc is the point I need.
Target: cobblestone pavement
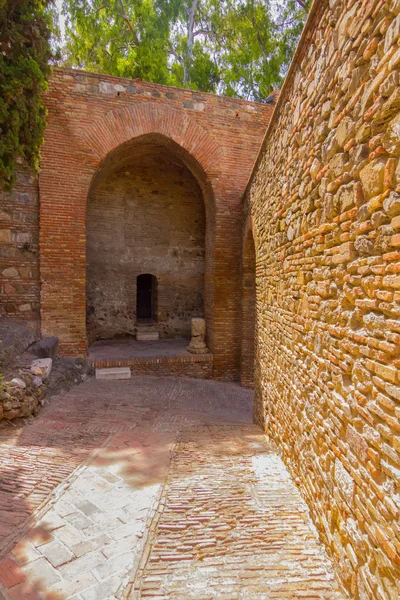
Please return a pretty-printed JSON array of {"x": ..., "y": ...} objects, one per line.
[{"x": 152, "y": 488}]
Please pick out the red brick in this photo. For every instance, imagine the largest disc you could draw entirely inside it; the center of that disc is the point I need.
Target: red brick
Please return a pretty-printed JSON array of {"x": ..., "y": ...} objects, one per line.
[
  {"x": 10, "y": 573},
  {"x": 24, "y": 591}
]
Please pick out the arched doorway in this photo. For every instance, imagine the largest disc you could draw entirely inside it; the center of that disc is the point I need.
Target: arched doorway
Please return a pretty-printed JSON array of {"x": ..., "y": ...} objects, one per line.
[
  {"x": 146, "y": 248},
  {"x": 146, "y": 298},
  {"x": 248, "y": 310}
]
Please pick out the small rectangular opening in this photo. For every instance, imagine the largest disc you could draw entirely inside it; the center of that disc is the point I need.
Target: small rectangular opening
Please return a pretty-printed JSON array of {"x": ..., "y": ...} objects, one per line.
[{"x": 146, "y": 289}]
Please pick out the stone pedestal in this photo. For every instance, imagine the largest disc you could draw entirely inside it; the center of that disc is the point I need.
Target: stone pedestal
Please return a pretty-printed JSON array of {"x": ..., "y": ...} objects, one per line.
[{"x": 197, "y": 343}]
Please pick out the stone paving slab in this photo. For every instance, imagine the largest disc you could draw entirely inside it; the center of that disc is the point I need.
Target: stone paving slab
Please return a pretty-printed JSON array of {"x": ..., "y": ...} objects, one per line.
[{"x": 152, "y": 487}]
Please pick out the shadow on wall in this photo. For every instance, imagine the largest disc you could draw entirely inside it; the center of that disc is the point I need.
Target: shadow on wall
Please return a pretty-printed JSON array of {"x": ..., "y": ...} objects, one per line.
[{"x": 146, "y": 252}]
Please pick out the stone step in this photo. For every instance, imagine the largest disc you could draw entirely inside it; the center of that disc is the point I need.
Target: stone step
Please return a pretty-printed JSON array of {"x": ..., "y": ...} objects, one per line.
[
  {"x": 147, "y": 332},
  {"x": 114, "y": 373},
  {"x": 147, "y": 336}
]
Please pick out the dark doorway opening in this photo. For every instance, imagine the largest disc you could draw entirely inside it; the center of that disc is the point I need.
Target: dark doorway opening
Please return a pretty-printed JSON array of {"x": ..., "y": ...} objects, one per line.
[{"x": 146, "y": 298}]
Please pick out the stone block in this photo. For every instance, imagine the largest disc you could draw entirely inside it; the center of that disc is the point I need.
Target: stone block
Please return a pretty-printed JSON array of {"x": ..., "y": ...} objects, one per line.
[
  {"x": 390, "y": 84},
  {"x": 46, "y": 347},
  {"x": 42, "y": 367},
  {"x": 10, "y": 273},
  {"x": 5, "y": 235},
  {"x": 345, "y": 197},
  {"x": 395, "y": 223},
  {"x": 18, "y": 383},
  {"x": 372, "y": 177},
  {"x": 344, "y": 481},
  {"x": 346, "y": 253},
  {"x": 392, "y": 34},
  {"x": 357, "y": 443},
  {"x": 391, "y": 205},
  {"x": 106, "y": 88},
  {"x": 391, "y": 139},
  {"x": 197, "y": 343},
  {"x": 344, "y": 131},
  {"x": 147, "y": 336},
  {"x": 114, "y": 373}
]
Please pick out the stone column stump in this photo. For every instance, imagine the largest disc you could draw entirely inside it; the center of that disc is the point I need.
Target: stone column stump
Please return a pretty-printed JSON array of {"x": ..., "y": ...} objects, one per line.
[{"x": 197, "y": 343}]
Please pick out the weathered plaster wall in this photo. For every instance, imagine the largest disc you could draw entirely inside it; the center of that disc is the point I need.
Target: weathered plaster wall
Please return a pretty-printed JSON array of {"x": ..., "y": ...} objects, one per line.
[
  {"x": 19, "y": 259},
  {"x": 146, "y": 216},
  {"x": 325, "y": 200}
]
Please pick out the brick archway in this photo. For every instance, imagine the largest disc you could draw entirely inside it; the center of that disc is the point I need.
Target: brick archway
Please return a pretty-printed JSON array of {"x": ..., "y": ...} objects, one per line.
[
  {"x": 248, "y": 307},
  {"x": 89, "y": 117},
  {"x": 64, "y": 187}
]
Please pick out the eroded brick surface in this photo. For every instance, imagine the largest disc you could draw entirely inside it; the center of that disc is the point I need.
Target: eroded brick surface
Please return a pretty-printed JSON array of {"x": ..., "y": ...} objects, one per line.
[{"x": 222, "y": 519}]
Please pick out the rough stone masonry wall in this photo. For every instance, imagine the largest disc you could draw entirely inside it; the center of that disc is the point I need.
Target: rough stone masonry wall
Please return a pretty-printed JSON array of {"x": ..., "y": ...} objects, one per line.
[
  {"x": 325, "y": 198},
  {"x": 19, "y": 260},
  {"x": 145, "y": 217}
]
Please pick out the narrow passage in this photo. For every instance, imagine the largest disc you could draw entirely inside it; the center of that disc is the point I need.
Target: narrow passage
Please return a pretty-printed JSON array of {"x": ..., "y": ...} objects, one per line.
[{"x": 153, "y": 488}]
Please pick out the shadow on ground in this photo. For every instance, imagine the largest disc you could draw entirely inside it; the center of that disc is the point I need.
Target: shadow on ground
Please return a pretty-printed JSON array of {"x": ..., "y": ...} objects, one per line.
[{"x": 127, "y": 427}]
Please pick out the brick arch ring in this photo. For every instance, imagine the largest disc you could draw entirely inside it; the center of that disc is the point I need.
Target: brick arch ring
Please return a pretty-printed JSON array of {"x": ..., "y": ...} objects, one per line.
[{"x": 120, "y": 126}]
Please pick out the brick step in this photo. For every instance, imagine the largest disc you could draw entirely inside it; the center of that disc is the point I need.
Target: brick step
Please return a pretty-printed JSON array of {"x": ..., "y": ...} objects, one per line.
[{"x": 196, "y": 365}]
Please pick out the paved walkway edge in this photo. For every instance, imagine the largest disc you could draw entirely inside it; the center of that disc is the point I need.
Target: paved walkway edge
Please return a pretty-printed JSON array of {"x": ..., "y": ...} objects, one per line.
[
  {"x": 128, "y": 589},
  {"x": 44, "y": 507}
]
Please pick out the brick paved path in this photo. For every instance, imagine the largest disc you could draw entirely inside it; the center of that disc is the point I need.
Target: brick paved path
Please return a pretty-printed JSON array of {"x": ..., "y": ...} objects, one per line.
[{"x": 152, "y": 488}]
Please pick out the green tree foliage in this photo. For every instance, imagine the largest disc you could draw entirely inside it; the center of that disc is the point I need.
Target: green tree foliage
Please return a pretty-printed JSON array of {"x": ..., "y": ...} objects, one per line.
[
  {"x": 109, "y": 36},
  {"x": 25, "y": 55},
  {"x": 254, "y": 60},
  {"x": 235, "y": 47}
]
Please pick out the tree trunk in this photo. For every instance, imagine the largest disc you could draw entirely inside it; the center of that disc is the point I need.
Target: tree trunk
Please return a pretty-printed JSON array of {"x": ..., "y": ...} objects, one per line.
[{"x": 189, "y": 54}]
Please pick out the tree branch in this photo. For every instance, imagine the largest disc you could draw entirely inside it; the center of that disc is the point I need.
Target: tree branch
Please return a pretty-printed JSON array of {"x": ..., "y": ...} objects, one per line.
[
  {"x": 190, "y": 39},
  {"x": 204, "y": 32},
  {"x": 124, "y": 16},
  {"x": 302, "y": 4},
  {"x": 176, "y": 74},
  {"x": 261, "y": 44},
  {"x": 177, "y": 56}
]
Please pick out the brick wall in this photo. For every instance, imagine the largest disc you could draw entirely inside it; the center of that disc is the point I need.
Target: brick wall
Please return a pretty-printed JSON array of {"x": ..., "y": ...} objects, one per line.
[
  {"x": 90, "y": 118},
  {"x": 145, "y": 215},
  {"x": 248, "y": 308},
  {"x": 19, "y": 245},
  {"x": 325, "y": 201}
]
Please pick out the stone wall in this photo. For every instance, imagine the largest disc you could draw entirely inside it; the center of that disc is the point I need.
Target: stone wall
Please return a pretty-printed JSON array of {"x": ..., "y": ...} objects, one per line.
[
  {"x": 19, "y": 259},
  {"x": 145, "y": 216},
  {"x": 325, "y": 200}
]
